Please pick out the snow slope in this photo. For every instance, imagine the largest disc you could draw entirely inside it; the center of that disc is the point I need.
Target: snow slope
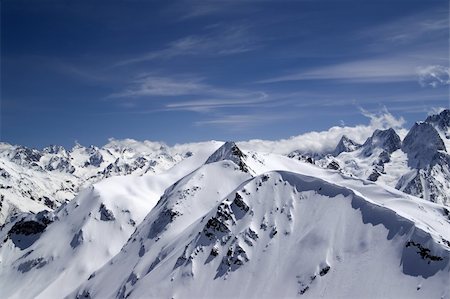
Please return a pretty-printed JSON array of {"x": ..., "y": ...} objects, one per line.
[
  {"x": 32, "y": 180},
  {"x": 52, "y": 253},
  {"x": 312, "y": 232}
]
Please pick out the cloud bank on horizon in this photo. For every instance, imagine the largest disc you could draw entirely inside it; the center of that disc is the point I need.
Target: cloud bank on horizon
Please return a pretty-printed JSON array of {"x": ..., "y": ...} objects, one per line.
[{"x": 325, "y": 141}]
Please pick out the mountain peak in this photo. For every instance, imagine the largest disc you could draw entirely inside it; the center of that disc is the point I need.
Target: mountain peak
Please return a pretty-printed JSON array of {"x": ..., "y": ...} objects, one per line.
[
  {"x": 387, "y": 140},
  {"x": 54, "y": 149},
  {"x": 421, "y": 144},
  {"x": 345, "y": 145},
  {"x": 441, "y": 120},
  {"x": 229, "y": 151}
]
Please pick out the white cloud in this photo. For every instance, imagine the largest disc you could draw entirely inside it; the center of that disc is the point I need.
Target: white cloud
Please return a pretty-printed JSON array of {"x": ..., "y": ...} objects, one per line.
[
  {"x": 228, "y": 41},
  {"x": 236, "y": 122},
  {"x": 241, "y": 99},
  {"x": 326, "y": 141},
  {"x": 433, "y": 75},
  {"x": 436, "y": 110},
  {"x": 152, "y": 85},
  {"x": 410, "y": 28},
  {"x": 201, "y": 97},
  {"x": 189, "y": 9},
  {"x": 389, "y": 69}
]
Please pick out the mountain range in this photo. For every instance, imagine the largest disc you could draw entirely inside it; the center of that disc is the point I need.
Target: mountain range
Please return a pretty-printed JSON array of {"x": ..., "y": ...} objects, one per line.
[{"x": 220, "y": 220}]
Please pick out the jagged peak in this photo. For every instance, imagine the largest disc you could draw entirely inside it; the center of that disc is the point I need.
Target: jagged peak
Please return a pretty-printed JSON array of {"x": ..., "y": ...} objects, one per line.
[
  {"x": 421, "y": 144},
  {"x": 345, "y": 145},
  {"x": 54, "y": 149},
  {"x": 25, "y": 154},
  {"x": 229, "y": 151},
  {"x": 387, "y": 140},
  {"x": 441, "y": 120}
]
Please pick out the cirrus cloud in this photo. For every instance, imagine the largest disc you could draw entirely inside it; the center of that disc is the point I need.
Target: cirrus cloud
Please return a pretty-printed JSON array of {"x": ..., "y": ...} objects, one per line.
[{"x": 433, "y": 75}]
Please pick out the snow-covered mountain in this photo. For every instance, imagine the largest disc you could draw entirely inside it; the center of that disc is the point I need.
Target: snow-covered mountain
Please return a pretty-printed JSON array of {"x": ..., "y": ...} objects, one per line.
[
  {"x": 51, "y": 253},
  {"x": 299, "y": 231},
  {"x": 212, "y": 220},
  {"x": 33, "y": 180},
  {"x": 417, "y": 165}
]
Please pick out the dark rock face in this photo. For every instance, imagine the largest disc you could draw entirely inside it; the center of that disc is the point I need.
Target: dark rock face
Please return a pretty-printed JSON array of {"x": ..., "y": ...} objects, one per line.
[
  {"x": 229, "y": 151},
  {"x": 164, "y": 219},
  {"x": 105, "y": 214},
  {"x": 333, "y": 165},
  {"x": 96, "y": 159},
  {"x": 24, "y": 155},
  {"x": 26, "y": 231},
  {"x": 388, "y": 140},
  {"x": 55, "y": 150},
  {"x": 28, "y": 265},
  {"x": 428, "y": 183},
  {"x": 49, "y": 203},
  {"x": 374, "y": 176},
  {"x": 233, "y": 260},
  {"x": 60, "y": 164},
  {"x": 27, "y": 228},
  {"x": 441, "y": 120},
  {"x": 77, "y": 239},
  {"x": 4, "y": 174},
  {"x": 345, "y": 145},
  {"x": 423, "y": 252},
  {"x": 301, "y": 157},
  {"x": 422, "y": 144}
]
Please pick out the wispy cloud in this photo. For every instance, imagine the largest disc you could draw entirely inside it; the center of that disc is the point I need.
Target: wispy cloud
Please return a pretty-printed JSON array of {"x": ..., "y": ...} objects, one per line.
[
  {"x": 194, "y": 9},
  {"x": 236, "y": 122},
  {"x": 433, "y": 75},
  {"x": 395, "y": 69},
  {"x": 190, "y": 9},
  {"x": 410, "y": 28},
  {"x": 435, "y": 110},
  {"x": 244, "y": 99},
  {"x": 229, "y": 41},
  {"x": 190, "y": 93},
  {"x": 152, "y": 85}
]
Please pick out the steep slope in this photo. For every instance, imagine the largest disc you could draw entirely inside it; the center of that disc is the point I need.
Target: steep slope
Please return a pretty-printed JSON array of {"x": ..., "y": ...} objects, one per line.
[
  {"x": 319, "y": 238},
  {"x": 427, "y": 155},
  {"x": 53, "y": 253},
  {"x": 229, "y": 151},
  {"x": 78, "y": 239},
  {"x": 441, "y": 122},
  {"x": 345, "y": 145},
  {"x": 422, "y": 144},
  {"x": 181, "y": 205}
]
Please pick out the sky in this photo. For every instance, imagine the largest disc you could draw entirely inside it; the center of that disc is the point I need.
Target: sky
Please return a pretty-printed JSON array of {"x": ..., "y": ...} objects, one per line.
[{"x": 187, "y": 71}]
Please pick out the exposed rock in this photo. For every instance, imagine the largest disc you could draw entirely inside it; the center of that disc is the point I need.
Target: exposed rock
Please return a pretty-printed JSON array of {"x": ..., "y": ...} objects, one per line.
[
  {"x": 345, "y": 145},
  {"x": 422, "y": 144},
  {"x": 229, "y": 151},
  {"x": 388, "y": 140}
]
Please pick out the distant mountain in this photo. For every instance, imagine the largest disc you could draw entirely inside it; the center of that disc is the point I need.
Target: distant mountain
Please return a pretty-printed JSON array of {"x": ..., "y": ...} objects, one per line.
[
  {"x": 33, "y": 180},
  {"x": 345, "y": 145},
  {"x": 418, "y": 165}
]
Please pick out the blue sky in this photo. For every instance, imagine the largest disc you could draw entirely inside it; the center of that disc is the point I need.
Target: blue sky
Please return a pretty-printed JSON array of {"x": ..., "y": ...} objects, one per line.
[{"x": 181, "y": 71}]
